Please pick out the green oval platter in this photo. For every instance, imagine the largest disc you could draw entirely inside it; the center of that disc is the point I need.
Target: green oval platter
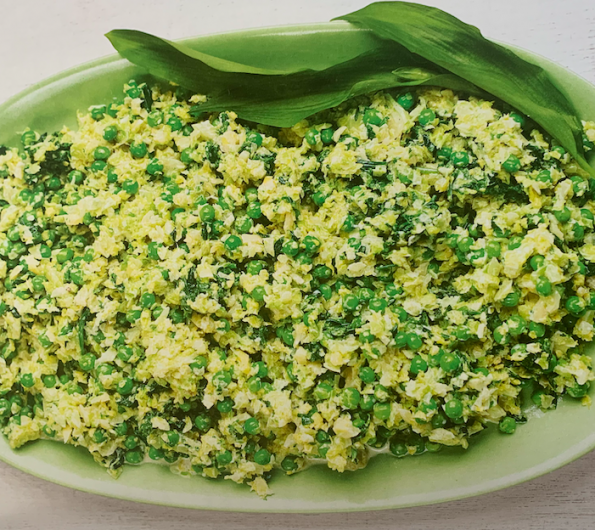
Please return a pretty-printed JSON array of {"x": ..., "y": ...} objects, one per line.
[{"x": 492, "y": 462}]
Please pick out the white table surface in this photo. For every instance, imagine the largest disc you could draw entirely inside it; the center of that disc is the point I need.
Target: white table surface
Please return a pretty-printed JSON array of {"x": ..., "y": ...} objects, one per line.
[{"x": 39, "y": 38}]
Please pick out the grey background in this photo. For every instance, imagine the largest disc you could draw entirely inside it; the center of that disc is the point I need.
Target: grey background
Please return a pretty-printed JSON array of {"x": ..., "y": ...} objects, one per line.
[{"x": 40, "y": 38}]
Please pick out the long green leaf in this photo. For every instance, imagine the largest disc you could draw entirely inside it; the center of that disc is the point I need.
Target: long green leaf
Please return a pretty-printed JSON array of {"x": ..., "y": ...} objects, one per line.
[
  {"x": 461, "y": 49},
  {"x": 405, "y": 45},
  {"x": 281, "y": 98}
]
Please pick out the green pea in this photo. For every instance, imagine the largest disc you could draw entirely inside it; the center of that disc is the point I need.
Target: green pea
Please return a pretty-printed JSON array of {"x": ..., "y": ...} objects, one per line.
[
  {"x": 252, "y": 426},
  {"x": 155, "y": 118},
  {"x": 258, "y": 293},
  {"x": 326, "y": 291},
  {"x": 121, "y": 429},
  {"x": 512, "y": 164},
  {"x": 64, "y": 255},
  {"x": 453, "y": 409},
  {"x": 578, "y": 232},
  {"x": 225, "y": 458},
  {"x": 507, "y": 425},
  {"x": 262, "y": 457},
  {"x": 319, "y": 198},
  {"x": 575, "y": 305},
  {"x": 254, "y": 138},
  {"x": 312, "y": 136},
  {"x": 222, "y": 379},
  {"x": 49, "y": 381},
  {"x": 544, "y": 176},
  {"x": 38, "y": 284},
  {"x": 26, "y": 195},
  {"x": 125, "y": 353},
  {"x": 202, "y": 422},
  {"x": 199, "y": 363},
  {"x": 133, "y": 457},
  {"x": 133, "y": 315},
  {"x": 518, "y": 118},
  {"x": 110, "y": 133},
  {"x": 543, "y": 286},
  {"x": 367, "y": 402},
  {"x": 536, "y": 330},
  {"x": 154, "y": 167},
  {"x": 177, "y": 316},
  {"x": 138, "y": 150},
  {"x": 254, "y": 267},
  {"x": 172, "y": 438},
  {"x": 131, "y": 442},
  {"x": 563, "y": 216},
  {"x": 382, "y": 411},
  {"x": 577, "y": 391},
  {"x": 398, "y": 449},
  {"x": 207, "y": 213},
  {"x": 87, "y": 362},
  {"x": 464, "y": 244},
  {"x": 155, "y": 454},
  {"x": 367, "y": 374},
  {"x": 373, "y": 117},
  {"x": 450, "y": 362},
  {"x": 105, "y": 369},
  {"x": 515, "y": 242},
  {"x": 426, "y": 117},
  {"x": 102, "y": 153},
  {"x": 587, "y": 214},
  {"x": 366, "y": 337},
  {"x": 414, "y": 341},
  {"x": 351, "y": 302},
  {"x": 254, "y": 384},
  {"x": 97, "y": 112},
  {"x": 27, "y": 380},
  {"x": 125, "y": 386},
  {"x": 350, "y": 398},
  {"x": 326, "y": 135},
  {"x": 290, "y": 248},
  {"x": 289, "y": 464},
  {"x": 444, "y": 153},
  {"x": 130, "y": 186},
  {"x": 253, "y": 210},
  {"x": 406, "y": 100},
  {"x": 511, "y": 299},
  {"x": 175, "y": 123},
  {"x": 378, "y": 304},
  {"x": 233, "y": 242},
  {"x": 54, "y": 184},
  {"x": 401, "y": 339},
  {"x": 147, "y": 300},
  {"x": 99, "y": 436},
  {"x": 537, "y": 262},
  {"x": 516, "y": 325},
  {"x": 460, "y": 159},
  {"x": 225, "y": 406},
  {"x": 493, "y": 249},
  {"x": 418, "y": 364},
  {"x": 323, "y": 391}
]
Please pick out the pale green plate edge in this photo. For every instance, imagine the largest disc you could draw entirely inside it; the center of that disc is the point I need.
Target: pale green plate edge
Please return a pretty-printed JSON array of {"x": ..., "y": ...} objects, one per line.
[{"x": 493, "y": 462}]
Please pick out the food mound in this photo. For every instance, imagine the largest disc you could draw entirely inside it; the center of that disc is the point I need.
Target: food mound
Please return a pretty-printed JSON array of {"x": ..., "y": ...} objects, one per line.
[{"x": 229, "y": 298}]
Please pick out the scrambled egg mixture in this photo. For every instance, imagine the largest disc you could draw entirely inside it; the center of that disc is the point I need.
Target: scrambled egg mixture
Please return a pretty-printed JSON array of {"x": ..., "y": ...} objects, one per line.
[{"x": 228, "y": 298}]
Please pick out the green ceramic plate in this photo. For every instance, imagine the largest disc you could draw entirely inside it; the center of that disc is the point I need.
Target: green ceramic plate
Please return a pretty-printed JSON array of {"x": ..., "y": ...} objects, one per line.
[{"x": 494, "y": 461}]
